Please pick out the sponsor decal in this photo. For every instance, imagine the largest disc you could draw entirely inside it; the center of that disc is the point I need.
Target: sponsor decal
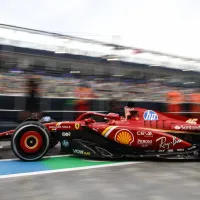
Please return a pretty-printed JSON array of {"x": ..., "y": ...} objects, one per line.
[
  {"x": 150, "y": 115},
  {"x": 192, "y": 121},
  {"x": 161, "y": 150},
  {"x": 65, "y": 127},
  {"x": 124, "y": 136},
  {"x": 180, "y": 150},
  {"x": 145, "y": 133},
  {"x": 166, "y": 145},
  {"x": 144, "y": 141},
  {"x": 58, "y": 126},
  {"x": 144, "y": 145},
  {"x": 189, "y": 127},
  {"x": 66, "y": 134},
  {"x": 77, "y": 126},
  {"x": 65, "y": 143},
  {"x": 177, "y": 127},
  {"x": 81, "y": 152}
]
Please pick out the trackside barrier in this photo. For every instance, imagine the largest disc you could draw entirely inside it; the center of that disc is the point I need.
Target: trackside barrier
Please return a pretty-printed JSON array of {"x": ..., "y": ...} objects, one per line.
[{"x": 64, "y": 108}]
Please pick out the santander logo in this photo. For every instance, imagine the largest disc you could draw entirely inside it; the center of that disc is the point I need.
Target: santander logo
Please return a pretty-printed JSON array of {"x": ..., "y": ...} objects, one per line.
[{"x": 177, "y": 127}]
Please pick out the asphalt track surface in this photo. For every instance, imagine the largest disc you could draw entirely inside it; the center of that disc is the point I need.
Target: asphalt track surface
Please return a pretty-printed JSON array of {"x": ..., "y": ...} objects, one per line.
[{"x": 144, "y": 180}]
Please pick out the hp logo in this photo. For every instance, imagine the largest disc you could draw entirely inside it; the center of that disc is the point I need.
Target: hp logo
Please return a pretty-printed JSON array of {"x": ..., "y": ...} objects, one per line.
[{"x": 150, "y": 115}]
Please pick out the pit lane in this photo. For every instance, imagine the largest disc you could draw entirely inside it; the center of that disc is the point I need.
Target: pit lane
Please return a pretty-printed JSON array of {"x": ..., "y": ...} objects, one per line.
[
  {"x": 139, "y": 180},
  {"x": 6, "y": 152}
]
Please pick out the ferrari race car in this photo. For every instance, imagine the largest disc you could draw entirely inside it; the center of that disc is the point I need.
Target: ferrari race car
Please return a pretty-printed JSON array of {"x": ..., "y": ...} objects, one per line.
[{"x": 141, "y": 133}]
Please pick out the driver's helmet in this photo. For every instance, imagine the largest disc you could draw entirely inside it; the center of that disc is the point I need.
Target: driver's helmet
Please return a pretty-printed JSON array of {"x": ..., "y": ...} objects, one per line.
[
  {"x": 46, "y": 119},
  {"x": 130, "y": 113}
]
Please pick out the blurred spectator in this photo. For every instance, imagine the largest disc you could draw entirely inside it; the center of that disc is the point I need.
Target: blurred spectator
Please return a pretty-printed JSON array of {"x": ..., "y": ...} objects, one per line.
[
  {"x": 195, "y": 106},
  {"x": 71, "y": 87},
  {"x": 83, "y": 94},
  {"x": 32, "y": 105},
  {"x": 175, "y": 98}
]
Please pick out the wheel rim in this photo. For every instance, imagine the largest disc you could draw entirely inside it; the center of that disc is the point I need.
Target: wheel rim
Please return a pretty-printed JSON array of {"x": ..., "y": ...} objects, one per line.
[{"x": 31, "y": 142}]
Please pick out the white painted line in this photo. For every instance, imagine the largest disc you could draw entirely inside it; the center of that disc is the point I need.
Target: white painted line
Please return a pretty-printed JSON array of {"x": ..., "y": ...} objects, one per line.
[
  {"x": 66, "y": 170},
  {"x": 58, "y": 156},
  {"x": 55, "y": 156}
]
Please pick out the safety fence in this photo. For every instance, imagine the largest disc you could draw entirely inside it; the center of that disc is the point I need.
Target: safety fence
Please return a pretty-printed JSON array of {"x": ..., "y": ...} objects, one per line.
[{"x": 66, "y": 109}]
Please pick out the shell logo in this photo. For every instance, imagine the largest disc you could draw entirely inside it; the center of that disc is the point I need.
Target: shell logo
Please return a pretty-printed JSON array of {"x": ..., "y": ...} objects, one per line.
[{"x": 124, "y": 137}]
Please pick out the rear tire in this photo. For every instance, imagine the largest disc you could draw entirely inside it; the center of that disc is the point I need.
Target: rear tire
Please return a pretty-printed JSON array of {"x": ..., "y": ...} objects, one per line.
[{"x": 30, "y": 141}]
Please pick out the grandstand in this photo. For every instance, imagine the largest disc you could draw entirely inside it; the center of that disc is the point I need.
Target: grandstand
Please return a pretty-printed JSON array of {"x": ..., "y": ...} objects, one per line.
[{"x": 64, "y": 62}]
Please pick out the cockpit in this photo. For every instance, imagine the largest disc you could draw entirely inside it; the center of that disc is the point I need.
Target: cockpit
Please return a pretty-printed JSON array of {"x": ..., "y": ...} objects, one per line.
[
  {"x": 131, "y": 113},
  {"x": 91, "y": 117}
]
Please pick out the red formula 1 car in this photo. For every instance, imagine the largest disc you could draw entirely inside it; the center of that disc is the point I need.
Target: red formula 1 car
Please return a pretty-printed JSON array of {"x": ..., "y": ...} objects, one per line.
[{"x": 140, "y": 133}]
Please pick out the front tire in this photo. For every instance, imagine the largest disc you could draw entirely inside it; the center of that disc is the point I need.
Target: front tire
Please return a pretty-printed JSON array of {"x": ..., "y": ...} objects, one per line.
[{"x": 30, "y": 141}]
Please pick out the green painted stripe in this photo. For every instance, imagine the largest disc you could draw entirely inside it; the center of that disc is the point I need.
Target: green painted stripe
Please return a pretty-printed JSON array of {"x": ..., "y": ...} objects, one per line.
[{"x": 70, "y": 162}]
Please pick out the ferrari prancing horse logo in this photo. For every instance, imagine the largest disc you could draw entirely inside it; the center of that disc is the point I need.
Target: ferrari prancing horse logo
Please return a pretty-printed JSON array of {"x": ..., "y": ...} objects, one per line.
[{"x": 77, "y": 126}]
